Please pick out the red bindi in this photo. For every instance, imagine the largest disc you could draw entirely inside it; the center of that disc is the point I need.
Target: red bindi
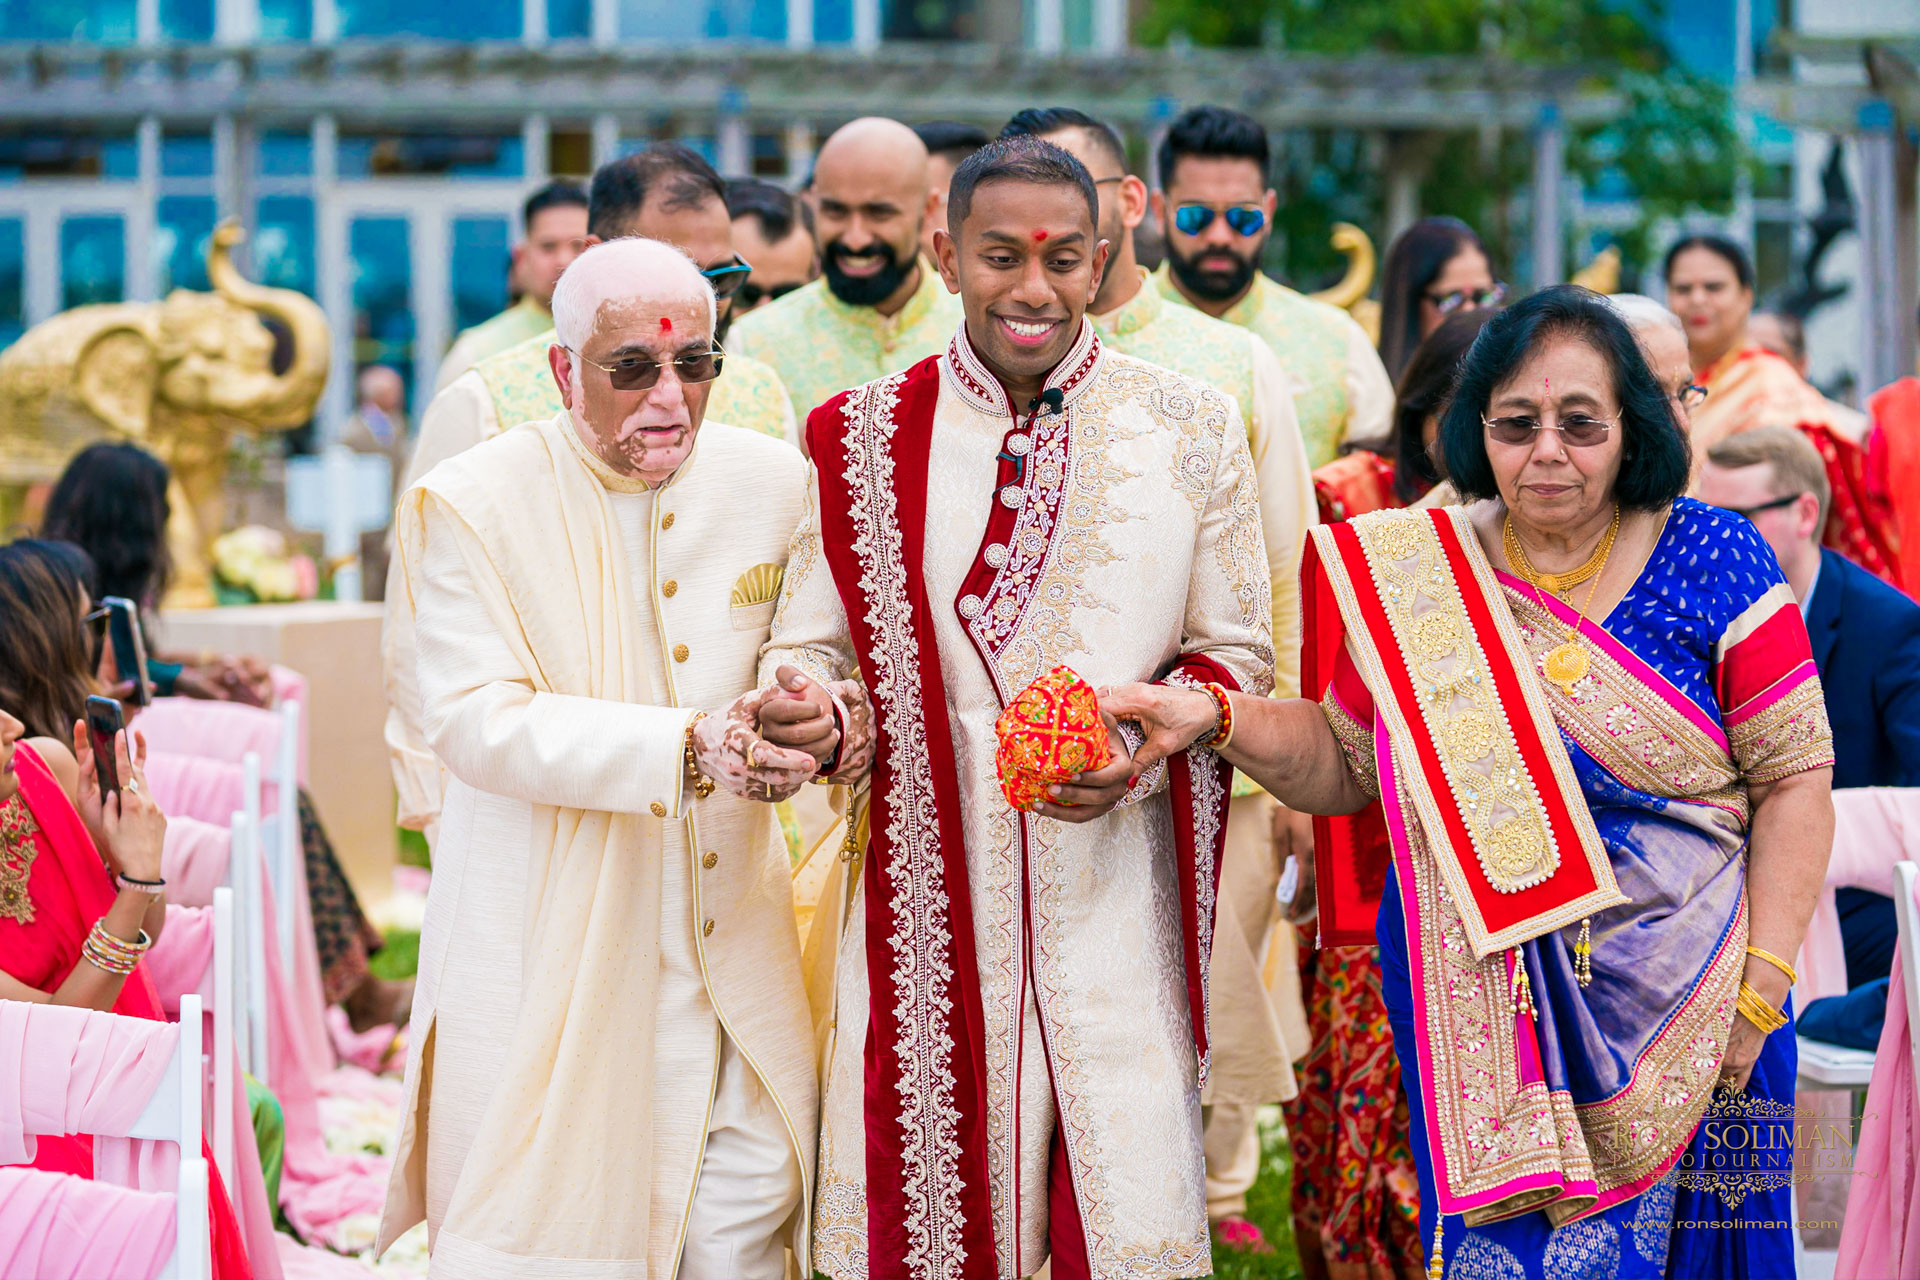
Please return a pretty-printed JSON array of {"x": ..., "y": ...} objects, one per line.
[
  {"x": 1039, "y": 236},
  {"x": 666, "y": 325}
]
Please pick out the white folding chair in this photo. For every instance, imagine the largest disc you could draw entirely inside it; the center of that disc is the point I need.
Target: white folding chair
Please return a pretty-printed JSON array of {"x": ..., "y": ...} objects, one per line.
[
  {"x": 228, "y": 1013},
  {"x": 285, "y": 851},
  {"x": 172, "y": 1114},
  {"x": 246, "y": 873}
]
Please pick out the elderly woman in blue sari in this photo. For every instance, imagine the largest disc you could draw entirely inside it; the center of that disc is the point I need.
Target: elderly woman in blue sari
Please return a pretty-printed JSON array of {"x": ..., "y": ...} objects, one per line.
[{"x": 1588, "y": 707}]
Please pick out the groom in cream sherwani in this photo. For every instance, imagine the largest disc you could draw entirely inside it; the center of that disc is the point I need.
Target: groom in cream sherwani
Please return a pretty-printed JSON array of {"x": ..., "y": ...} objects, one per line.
[{"x": 610, "y": 1072}]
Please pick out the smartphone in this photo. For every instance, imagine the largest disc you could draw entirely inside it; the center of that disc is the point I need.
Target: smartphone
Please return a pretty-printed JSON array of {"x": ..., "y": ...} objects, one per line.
[
  {"x": 104, "y": 723},
  {"x": 129, "y": 650}
]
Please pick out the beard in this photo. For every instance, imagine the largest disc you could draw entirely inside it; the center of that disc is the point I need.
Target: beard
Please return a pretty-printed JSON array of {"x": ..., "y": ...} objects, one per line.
[
  {"x": 1211, "y": 284},
  {"x": 865, "y": 291}
]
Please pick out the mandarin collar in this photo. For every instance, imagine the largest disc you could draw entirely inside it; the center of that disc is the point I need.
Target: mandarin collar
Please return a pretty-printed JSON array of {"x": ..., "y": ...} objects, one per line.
[
  {"x": 1137, "y": 312},
  {"x": 968, "y": 375}
]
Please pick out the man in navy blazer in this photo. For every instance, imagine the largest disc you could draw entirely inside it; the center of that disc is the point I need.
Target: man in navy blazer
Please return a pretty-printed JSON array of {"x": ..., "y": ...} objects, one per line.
[{"x": 1866, "y": 643}]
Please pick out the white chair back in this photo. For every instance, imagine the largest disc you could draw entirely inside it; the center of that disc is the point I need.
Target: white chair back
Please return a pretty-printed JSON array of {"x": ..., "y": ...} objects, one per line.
[
  {"x": 172, "y": 1114},
  {"x": 247, "y": 874},
  {"x": 286, "y": 851},
  {"x": 228, "y": 1013},
  {"x": 1907, "y": 917}
]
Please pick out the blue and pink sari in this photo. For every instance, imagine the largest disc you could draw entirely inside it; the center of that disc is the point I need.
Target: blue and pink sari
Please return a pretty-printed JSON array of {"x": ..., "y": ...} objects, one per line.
[{"x": 1564, "y": 1115}]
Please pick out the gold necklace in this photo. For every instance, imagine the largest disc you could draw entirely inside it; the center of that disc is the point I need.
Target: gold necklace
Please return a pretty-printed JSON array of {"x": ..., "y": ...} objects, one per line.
[{"x": 1566, "y": 662}]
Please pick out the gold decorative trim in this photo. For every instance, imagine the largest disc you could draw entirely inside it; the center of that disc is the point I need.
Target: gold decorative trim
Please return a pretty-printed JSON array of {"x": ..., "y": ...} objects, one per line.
[{"x": 18, "y": 849}]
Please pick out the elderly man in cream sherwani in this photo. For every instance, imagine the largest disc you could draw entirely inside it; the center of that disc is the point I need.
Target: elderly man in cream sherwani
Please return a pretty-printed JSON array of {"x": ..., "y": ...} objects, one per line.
[{"x": 610, "y": 1072}]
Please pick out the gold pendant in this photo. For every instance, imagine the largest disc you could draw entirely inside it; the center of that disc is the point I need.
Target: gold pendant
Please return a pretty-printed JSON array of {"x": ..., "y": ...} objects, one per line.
[{"x": 1566, "y": 664}]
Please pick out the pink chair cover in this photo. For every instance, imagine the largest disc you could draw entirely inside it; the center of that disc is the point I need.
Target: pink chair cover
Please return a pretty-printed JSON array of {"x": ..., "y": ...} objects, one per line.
[
  {"x": 223, "y": 731},
  {"x": 1881, "y": 1234},
  {"x": 1874, "y": 827},
  {"x": 66, "y": 1070},
  {"x": 54, "y": 1226},
  {"x": 318, "y": 1189},
  {"x": 210, "y": 792},
  {"x": 194, "y": 859}
]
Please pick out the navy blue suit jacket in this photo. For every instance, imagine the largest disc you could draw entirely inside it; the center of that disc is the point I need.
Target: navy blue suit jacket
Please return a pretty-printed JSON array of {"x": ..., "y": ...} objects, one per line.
[{"x": 1866, "y": 643}]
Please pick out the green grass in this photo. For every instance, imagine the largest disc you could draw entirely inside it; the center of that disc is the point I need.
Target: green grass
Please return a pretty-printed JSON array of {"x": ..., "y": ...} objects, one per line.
[
  {"x": 1267, "y": 1207},
  {"x": 399, "y": 958},
  {"x": 413, "y": 849}
]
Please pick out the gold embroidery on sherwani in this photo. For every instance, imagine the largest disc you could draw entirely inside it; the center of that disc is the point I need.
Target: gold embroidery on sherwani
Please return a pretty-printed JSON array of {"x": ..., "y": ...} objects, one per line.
[
  {"x": 930, "y": 1146},
  {"x": 17, "y": 852}
]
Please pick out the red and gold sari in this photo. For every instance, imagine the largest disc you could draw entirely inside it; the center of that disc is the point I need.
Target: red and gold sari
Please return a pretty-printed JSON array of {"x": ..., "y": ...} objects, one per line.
[
  {"x": 1752, "y": 387},
  {"x": 52, "y": 888}
]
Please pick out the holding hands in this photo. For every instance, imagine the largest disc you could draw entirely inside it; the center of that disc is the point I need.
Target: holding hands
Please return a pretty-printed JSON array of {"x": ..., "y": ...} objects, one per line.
[
  {"x": 769, "y": 742},
  {"x": 1172, "y": 717}
]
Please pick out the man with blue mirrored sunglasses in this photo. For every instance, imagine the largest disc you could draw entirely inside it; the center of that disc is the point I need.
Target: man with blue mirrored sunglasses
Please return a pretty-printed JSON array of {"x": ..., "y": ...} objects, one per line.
[{"x": 1216, "y": 211}]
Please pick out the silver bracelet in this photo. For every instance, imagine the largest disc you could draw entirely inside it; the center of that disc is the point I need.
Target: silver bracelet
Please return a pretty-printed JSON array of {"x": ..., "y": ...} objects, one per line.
[{"x": 152, "y": 888}]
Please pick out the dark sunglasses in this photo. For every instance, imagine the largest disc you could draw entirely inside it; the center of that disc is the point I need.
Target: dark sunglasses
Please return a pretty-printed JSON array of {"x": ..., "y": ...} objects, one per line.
[
  {"x": 637, "y": 373},
  {"x": 751, "y": 294},
  {"x": 1243, "y": 219},
  {"x": 1448, "y": 303},
  {"x": 1577, "y": 430},
  {"x": 726, "y": 281},
  {"x": 1750, "y": 512}
]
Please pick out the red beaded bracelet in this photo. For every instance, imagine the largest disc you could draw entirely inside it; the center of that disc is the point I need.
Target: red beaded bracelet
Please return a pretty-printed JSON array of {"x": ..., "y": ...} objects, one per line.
[{"x": 1223, "y": 729}]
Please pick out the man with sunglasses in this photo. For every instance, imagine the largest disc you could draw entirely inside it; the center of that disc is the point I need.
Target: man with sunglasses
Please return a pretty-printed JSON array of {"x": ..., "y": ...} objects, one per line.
[
  {"x": 1216, "y": 211},
  {"x": 614, "y": 1069},
  {"x": 880, "y": 306},
  {"x": 773, "y": 231},
  {"x": 1252, "y": 1052},
  {"x": 667, "y": 193},
  {"x": 1865, "y": 636}
]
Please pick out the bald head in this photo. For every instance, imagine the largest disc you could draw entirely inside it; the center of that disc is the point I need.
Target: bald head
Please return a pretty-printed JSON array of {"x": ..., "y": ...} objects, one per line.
[
  {"x": 626, "y": 272},
  {"x": 633, "y": 327},
  {"x": 870, "y": 199},
  {"x": 383, "y": 387}
]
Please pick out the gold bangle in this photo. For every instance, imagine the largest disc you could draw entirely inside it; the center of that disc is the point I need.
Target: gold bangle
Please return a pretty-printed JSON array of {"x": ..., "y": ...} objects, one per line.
[
  {"x": 1776, "y": 962},
  {"x": 1754, "y": 1007}
]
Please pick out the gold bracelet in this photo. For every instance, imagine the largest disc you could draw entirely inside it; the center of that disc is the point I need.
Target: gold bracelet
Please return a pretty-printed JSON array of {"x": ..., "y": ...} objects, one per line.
[
  {"x": 1776, "y": 962},
  {"x": 702, "y": 784},
  {"x": 1754, "y": 1007}
]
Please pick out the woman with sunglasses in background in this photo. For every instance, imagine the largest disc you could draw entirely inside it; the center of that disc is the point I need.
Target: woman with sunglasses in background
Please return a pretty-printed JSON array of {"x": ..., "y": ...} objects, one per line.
[
  {"x": 1435, "y": 268},
  {"x": 1710, "y": 286},
  {"x": 1605, "y": 765}
]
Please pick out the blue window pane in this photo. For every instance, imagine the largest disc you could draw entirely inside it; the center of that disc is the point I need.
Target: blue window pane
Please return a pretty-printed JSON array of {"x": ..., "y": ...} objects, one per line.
[
  {"x": 436, "y": 155},
  {"x": 13, "y": 297},
  {"x": 482, "y": 253},
  {"x": 93, "y": 260},
  {"x": 382, "y": 310},
  {"x": 436, "y": 19},
  {"x": 283, "y": 242},
  {"x": 569, "y": 19},
  {"x": 183, "y": 228},
  {"x": 286, "y": 19},
  {"x": 927, "y": 19},
  {"x": 66, "y": 154},
  {"x": 119, "y": 158},
  {"x": 703, "y": 19},
  {"x": 833, "y": 21},
  {"x": 187, "y": 19},
  {"x": 1077, "y": 17},
  {"x": 285, "y": 155},
  {"x": 103, "y": 21},
  {"x": 186, "y": 155}
]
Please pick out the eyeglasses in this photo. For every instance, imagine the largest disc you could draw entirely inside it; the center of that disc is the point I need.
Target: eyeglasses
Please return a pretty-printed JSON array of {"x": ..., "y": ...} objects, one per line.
[
  {"x": 1448, "y": 303},
  {"x": 1577, "y": 430},
  {"x": 1691, "y": 396},
  {"x": 726, "y": 281},
  {"x": 1750, "y": 512},
  {"x": 638, "y": 373},
  {"x": 1243, "y": 219},
  {"x": 751, "y": 294}
]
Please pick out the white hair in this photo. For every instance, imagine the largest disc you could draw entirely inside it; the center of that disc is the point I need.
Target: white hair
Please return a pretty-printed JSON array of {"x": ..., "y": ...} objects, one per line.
[
  {"x": 630, "y": 267},
  {"x": 1641, "y": 312}
]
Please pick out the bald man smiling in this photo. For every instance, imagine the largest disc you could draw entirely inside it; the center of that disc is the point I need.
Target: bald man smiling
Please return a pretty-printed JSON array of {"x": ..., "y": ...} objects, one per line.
[{"x": 880, "y": 306}]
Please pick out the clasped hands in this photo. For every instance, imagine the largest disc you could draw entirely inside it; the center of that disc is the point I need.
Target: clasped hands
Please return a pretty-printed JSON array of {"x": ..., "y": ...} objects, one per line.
[{"x": 770, "y": 742}]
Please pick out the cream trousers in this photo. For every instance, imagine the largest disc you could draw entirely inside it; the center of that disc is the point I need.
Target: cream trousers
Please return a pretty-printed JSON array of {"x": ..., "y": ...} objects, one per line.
[{"x": 749, "y": 1183}]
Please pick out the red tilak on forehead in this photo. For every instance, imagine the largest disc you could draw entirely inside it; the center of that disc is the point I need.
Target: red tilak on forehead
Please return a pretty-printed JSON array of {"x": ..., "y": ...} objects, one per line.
[
  {"x": 1040, "y": 235},
  {"x": 666, "y": 325}
]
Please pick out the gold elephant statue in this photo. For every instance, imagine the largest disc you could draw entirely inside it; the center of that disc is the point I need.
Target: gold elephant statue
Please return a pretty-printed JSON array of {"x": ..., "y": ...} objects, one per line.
[
  {"x": 180, "y": 377},
  {"x": 1350, "y": 294}
]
